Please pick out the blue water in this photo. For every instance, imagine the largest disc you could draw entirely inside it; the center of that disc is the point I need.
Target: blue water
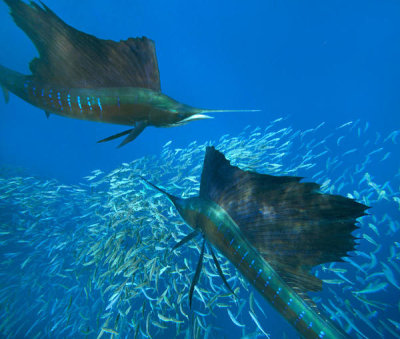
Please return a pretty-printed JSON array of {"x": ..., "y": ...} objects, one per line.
[
  {"x": 312, "y": 62},
  {"x": 315, "y": 62}
]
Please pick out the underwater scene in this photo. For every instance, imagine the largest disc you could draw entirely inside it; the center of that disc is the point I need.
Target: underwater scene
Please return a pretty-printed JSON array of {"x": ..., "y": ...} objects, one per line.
[{"x": 253, "y": 192}]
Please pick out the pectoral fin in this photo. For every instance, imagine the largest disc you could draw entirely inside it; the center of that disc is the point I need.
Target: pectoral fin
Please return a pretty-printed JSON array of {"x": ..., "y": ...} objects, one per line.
[
  {"x": 221, "y": 274},
  {"x": 196, "y": 275},
  {"x": 190, "y": 236},
  {"x": 132, "y": 134},
  {"x": 115, "y": 136}
]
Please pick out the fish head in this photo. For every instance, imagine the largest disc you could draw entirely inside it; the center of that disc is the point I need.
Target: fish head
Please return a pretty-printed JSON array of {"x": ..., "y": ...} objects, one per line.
[
  {"x": 202, "y": 215},
  {"x": 184, "y": 118},
  {"x": 167, "y": 112},
  {"x": 185, "y": 210},
  {"x": 186, "y": 207},
  {"x": 173, "y": 117}
]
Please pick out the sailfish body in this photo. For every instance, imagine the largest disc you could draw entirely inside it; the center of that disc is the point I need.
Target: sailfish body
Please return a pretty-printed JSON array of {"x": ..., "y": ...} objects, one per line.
[
  {"x": 80, "y": 76},
  {"x": 116, "y": 105},
  {"x": 273, "y": 230}
]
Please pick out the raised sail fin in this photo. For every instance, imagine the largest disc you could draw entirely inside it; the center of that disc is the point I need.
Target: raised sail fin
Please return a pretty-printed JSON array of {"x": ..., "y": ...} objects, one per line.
[
  {"x": 291, "y": 224},
  {"x": 71, "y": 58}
]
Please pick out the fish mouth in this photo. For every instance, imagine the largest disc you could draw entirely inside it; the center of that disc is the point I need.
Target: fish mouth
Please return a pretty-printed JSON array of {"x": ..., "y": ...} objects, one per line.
[{"x": 190, "y": 118}]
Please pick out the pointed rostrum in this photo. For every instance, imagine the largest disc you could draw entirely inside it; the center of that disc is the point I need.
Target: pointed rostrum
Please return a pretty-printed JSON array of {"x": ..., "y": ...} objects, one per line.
[
  {"x": 70, "y": 58},
  {"x": 291, "y": 224}
]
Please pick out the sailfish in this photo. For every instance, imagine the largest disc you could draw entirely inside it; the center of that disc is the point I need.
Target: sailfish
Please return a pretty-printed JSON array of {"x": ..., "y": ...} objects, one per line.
[
  {"x": 274, "y": 230},
  {"x": 80, "y": 76}
]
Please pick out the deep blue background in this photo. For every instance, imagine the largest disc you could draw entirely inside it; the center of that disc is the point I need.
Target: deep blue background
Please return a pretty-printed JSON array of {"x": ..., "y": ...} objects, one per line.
[
  {"x": 332, "y": 61},
  {"x": 316, "y": 61}
]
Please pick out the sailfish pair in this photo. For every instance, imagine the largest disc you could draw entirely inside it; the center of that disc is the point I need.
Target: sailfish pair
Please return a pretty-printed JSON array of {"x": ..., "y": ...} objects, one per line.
[
  {"x": 274, "y": 230},
  {"x": 80, "y": 76}
]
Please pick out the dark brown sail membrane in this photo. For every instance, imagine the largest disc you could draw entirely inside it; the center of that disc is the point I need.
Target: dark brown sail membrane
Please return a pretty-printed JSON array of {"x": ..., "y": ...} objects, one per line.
[
  {"x": 291, "y": 224},
  {"x": 72, "y": 59}
]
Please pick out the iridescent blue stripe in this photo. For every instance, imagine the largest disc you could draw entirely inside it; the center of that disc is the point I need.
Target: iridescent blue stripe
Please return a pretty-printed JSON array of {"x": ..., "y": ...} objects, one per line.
[
  {"x": 59, "y": 100},
  {"x": 99, "y": 103},
  {"x": 89, "y": 103},
  {"x": 69, "y": 101},
  {"x": 79, "y": 102},
  {"x": 100, "y": 107}
]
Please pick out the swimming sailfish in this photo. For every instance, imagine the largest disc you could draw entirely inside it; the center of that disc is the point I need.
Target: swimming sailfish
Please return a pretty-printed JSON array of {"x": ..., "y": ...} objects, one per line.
[
  {"x": 80, "y": 76},
  {"x": 273, "y": 229}
]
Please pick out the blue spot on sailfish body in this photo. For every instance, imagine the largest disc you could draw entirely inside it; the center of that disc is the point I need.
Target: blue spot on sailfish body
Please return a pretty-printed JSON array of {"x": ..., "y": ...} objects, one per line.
[
  {"x": 59, "y": 100},
  {"x": 79, "y": 102},
  {"x": 69, "y": 100},
  {"x": 101, "y": 108},
  {"x": 88, "y": 102}
]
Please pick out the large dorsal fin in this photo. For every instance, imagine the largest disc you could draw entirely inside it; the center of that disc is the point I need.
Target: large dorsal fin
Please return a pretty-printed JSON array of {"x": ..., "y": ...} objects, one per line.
[
  {"x": 70, "y": 58},
  {"x": 290, "y": 223}
]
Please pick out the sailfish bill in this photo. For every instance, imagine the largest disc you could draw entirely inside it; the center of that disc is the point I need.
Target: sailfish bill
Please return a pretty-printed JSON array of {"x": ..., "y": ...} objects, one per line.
[
  {"x": 274, "y": 230},
  {"x": 89, "y": 78}
]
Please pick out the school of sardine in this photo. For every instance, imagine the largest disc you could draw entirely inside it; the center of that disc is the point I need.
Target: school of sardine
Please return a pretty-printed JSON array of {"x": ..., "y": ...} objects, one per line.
[{"x": 94, "y": 260}]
